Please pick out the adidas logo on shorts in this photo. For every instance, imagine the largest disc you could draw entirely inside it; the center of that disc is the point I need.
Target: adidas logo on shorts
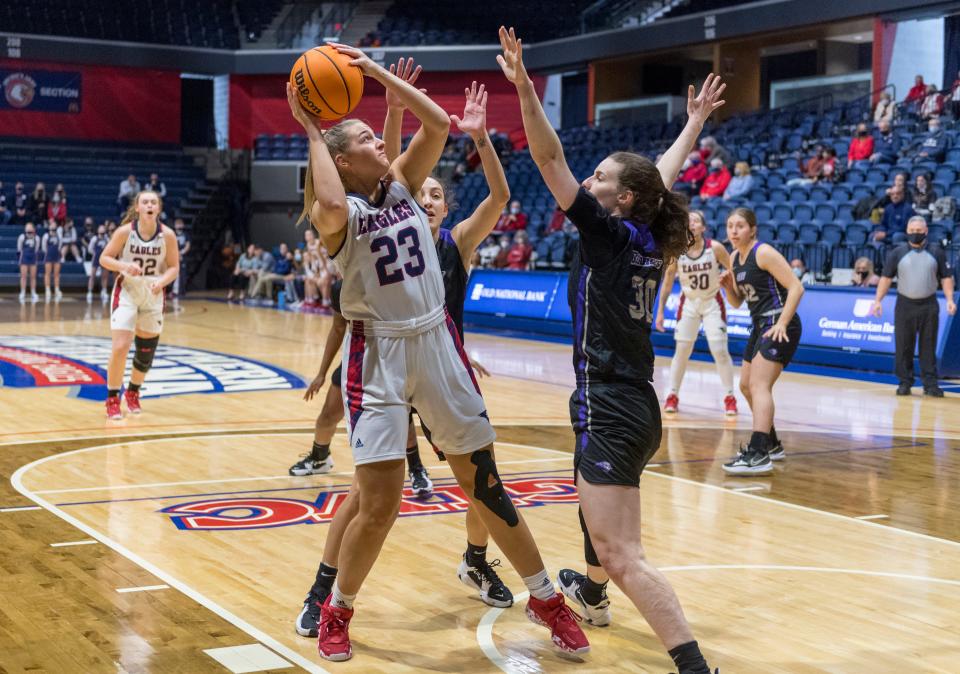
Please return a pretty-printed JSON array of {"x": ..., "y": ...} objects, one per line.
[{"x": 359, "y": 443}]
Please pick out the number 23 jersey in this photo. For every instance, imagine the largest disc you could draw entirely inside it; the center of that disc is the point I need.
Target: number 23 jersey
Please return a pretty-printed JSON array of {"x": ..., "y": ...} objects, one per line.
[
  {"x": 388, "y": 261},
  {"x": 612, "y": 289}
]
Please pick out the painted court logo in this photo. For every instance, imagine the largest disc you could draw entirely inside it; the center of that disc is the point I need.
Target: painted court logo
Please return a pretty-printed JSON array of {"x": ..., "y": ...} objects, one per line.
[
  {"x": 222, "y": 514},
  {"x": 81, "y": 363}
]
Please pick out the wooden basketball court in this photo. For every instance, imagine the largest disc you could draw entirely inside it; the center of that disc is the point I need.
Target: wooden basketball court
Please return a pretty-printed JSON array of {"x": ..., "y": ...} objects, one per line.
[{"x": 176, "y": 541}]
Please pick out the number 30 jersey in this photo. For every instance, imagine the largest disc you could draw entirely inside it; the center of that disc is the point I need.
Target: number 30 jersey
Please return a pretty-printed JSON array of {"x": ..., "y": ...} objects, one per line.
[
  {"x": 391, "y": 273},
  {"x": 699, "y": 276}
]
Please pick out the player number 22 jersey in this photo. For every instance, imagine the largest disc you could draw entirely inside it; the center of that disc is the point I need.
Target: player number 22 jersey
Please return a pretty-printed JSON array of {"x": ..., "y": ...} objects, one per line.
[{"x": 150, "y": 254}]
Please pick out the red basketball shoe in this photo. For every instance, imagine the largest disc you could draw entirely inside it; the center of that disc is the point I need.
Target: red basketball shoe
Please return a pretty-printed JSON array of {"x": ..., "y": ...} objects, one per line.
[
  {"x": 133, "y": 401},
  {"x": 113, "y": 408},
  {"x": 564, "y": 630},
  {"x": 673, "y": 402},
  {"x": 333, "y": 638},
  {"x": 730, "y": 405}
]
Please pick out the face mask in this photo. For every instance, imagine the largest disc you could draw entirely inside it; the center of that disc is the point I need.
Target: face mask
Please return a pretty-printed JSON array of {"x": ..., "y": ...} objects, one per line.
[
  {"x": 916, "y": 238},
  {"x": 514, "y": 209},
  {"x": 798, "y": 272},
  {"x": 56, "y": 198},
  {"x": 862, "y": 133},
  {"x": 934, "y": 128},
  {"x": 861, "y": 274},
  {"x": 298, "y": 257}
]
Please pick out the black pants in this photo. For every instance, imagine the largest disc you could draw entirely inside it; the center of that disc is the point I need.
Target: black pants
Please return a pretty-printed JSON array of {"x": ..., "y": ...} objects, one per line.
[{"x": 913, "y": 318}]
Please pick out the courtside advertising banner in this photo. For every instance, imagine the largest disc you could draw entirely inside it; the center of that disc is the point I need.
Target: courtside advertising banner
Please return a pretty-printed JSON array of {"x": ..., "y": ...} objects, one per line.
[
  {"x": 833, "y": 318},
  {"x": 40, "y": 90}
]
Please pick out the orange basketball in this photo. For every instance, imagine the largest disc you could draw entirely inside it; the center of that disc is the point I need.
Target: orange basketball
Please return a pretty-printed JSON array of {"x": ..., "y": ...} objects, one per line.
[{"x": 327, "y": 85}]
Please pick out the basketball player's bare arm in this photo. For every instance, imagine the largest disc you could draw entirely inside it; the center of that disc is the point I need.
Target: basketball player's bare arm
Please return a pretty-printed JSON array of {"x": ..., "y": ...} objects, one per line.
[
  {"x": 730, "y": 285},
  {"x": 393, "y": 123},
  {"x": 111, "y": 252},
  {"x": 412, "y": 167},
  {"x": 545, "y": 146},
  {"x": 720, "y": 253},
  {"x": 172, "y": 261},
  {"x": 699, "y": 108},
  {"x": 469, "y": 233},
  {"x": 772, "y": 262},
  {"x": 330, "y": 350},
  {"x": 666, "y": 287}
]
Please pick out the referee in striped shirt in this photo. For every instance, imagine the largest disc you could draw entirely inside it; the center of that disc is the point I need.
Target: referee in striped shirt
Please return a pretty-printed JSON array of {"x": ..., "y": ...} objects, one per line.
[{"x": 919, "y": 269}]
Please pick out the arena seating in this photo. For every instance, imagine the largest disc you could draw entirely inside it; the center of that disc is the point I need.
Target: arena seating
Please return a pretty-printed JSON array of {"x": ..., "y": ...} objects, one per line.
[
  {"x": 91, "y": 177},
  {"x": 179, "y": 22}
]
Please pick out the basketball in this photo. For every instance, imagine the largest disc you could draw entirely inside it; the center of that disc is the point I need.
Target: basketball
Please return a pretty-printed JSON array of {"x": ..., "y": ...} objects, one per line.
[{"x": 327, "y": 85}]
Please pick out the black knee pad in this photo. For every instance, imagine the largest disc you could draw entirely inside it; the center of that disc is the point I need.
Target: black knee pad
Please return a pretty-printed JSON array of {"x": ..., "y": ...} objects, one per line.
[
  {"x": 589, "y": 554},
  {"x": 494, "y": 497},
  {"x": 144, "y": 349}
]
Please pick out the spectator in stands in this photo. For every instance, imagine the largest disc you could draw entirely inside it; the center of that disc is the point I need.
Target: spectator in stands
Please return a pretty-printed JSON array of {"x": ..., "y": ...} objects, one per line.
[
  {"x": 21, "y": 202},
  {"x": 5, "y": 214},
  {"x": 487, "y": 253},
  {"x": 801, "y": 272},
  {"x": 128, "y": 189},
  {"x": 916, "y": 95},
  {"x": 812, "y": 169},
  {"x": 97, "y": 244},
  {"x": 932, "y": 105},
  {"x": 268, "y": 265},
  {"x": 717, "y": 180},
  {"x": 500, "y": 261},
  {"x": 183, "y": 244},
  {"x": 864, "y": 275},
  {"x": 861, "y": 147},
  {"x": 513, "y": 219},
  {"x": 86, "y": 236},
  {"x": 692, "y": 174},
  {"x": 829, "y": 172},
  {"x": 924, "y": 195},
  {"x": 556, "y": 221},
  {"x": 57, "y": 208},
  {"x": 884, "y": 109},
  {"x": 741, "y": 183},
  {"x": 39, "y": 201},
  {"x": 710, "y": 149},
  {"x": 887, "y": 144},
  {"x": 68, "y": 240},
  {"x": 518, "y": 256},
  {"x": 895, "y": 215},
  {"x": 156, "y": 185},
  {"x": 244, "y": 274},
  {"x": 955, "y": 98},
  {"x": 933, "y": 146}
]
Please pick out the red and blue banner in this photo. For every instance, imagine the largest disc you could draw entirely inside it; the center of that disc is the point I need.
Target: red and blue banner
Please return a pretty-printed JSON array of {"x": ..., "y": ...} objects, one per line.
[{"x": 40, "y": 90}]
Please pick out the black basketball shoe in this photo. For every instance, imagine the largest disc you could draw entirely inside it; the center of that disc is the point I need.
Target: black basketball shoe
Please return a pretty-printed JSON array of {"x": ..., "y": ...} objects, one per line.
[
  {"x": 597, "y": 615},
  {"x": 308, "y": 465},
  {"x": 420, "y": 482},
  {"x": 484, "y": 579},
  {"x": 310, "y": 614},
  {"x": 749, "y": 461},
  {"x": 778, "y": 453}
]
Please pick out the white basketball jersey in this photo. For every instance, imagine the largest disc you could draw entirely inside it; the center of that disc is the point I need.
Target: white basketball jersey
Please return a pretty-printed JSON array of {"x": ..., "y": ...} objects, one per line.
[
  {"x": 388, "y": 260},
  {"x": 699, "y": 276},
  {"x": 150, "y": 254}
]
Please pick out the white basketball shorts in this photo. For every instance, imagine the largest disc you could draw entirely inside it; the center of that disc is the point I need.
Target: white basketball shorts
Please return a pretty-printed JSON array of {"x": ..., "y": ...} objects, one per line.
[
  {"x": 710, "y": 311},
  {"x": 134, "y": 307}
]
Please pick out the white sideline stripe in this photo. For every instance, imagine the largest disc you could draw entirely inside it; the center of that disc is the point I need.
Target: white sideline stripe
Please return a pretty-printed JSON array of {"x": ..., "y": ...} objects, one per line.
[
  {"x": 143, "y": 588},
  {"x": 63, "y": 545},
  {"x": 247, "y": 658},
  {"x": 16, "y": 509},
  {"x": 755, "y": 487},
  {"x": 654, "y": 465},
  {"x": 17, "y": 481},
  {"x": 519, "y": 664},
  {"x": 872, "y": 517}
]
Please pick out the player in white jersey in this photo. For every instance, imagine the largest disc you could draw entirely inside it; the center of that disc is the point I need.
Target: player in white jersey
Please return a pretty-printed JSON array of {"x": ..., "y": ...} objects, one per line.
[
  {"x": 145, "y": 256},
  {"x": 403, "y": 350},
  {"x": 700, "y": 303}
]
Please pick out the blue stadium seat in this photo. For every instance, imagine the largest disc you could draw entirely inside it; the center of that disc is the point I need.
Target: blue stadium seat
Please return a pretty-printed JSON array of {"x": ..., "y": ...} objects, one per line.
[
  {"x": 831, "y": 233},
  {"x": 783, "y": 211},
  {"x": 808, "y": 233},
  {"x": 841, "y": 257},
  {"x": 819, "y": 193},
  {"x": 766, "y": 233},
  {"x": 856, "y": 234},
  {"x": 803, "y": 212},
  {"x": 787, "y": 233},
  {"x": 825, "y": 212},
  {"x": 817, "y": 257},
  {"x": 763, "y": 212},
  {"x": 845, "y": 212},
  {"x": 798, "y": 193}
]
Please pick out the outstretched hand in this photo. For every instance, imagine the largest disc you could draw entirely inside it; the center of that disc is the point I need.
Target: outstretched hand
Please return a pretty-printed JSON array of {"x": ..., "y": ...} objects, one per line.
[
  {"x": 405, "y": 71},
  {"x": 474, "y": 120},
  {"x": 361, "y": 60},
  {"x": 310, "y": 123},
  {"x": 511, "y": 61},
  {"x": 701, "y": 106}
]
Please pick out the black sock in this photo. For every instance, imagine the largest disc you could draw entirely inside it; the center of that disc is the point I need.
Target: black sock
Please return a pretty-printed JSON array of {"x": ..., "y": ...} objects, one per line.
[
  {"x": 113, "y": 392},
  {"x": 774, "y": 440},
  {"x": 476, "y": 554},
  {"x": 319, "y": 452},
  {"x": 133, "y": 387},
  {"x": 688, "y": 659},
  {"x": 325, "y": 577},
  {"x": 760, "y": 441},
  {"x": 413, "y": 458},
  {"x": 593, "y": 592}
]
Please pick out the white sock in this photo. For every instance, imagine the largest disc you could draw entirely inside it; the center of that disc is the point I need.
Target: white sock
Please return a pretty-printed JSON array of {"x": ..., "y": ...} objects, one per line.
[
  {"x": 721, "y": 355},
  {"x": 678, "y": 366},
  {"x": 340, "y": 600},
  {"x": 540, "y": 586}
]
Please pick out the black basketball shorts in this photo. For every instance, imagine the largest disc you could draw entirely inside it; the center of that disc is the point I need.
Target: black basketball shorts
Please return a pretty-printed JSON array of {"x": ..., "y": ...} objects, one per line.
[
  {"x": 776, "y": 352},
  {"x": 618, "y": 430},
  {"x": 336, "y": 377}
]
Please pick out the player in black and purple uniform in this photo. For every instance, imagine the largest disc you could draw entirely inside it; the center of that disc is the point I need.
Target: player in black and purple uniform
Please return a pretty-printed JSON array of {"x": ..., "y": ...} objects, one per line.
[
  {"x": 630, "y": 227},
  {"x": 52, "y": 240},
  {"x": 28, "y": 253},
  {"x": 761, "y": 277}
]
